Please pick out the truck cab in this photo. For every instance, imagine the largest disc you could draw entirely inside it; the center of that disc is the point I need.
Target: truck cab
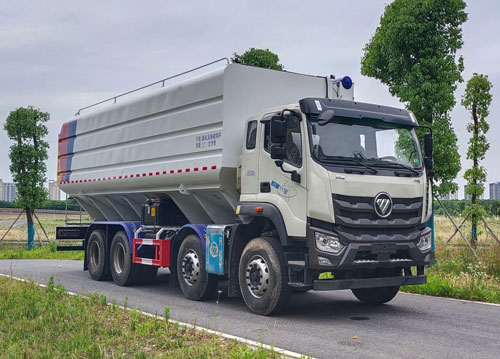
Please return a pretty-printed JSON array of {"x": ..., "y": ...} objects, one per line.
[{"x": 348, "y": 192}]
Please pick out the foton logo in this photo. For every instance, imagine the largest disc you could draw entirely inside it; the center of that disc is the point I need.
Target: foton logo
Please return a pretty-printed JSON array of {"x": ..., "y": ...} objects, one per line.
[{"x": 383, "y": 205}]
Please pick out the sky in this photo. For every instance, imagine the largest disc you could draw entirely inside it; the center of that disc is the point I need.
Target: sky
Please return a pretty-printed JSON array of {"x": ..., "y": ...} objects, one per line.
[{"x": 60, "y": 56}]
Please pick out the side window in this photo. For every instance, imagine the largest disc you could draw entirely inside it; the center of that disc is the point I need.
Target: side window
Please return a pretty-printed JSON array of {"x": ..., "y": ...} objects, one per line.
[
  {"x": 293, "y": 142},
  {"x": 251, "y": 135},
  {"x": 267, "y": 137}
]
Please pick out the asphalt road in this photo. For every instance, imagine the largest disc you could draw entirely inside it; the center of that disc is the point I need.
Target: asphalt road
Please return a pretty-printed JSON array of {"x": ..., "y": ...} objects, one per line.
[{"x": 321, "y": 324}]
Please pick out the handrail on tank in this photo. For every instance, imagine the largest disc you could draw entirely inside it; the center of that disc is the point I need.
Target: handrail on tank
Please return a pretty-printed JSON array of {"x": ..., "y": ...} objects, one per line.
[{"x": 152, "y": 84}]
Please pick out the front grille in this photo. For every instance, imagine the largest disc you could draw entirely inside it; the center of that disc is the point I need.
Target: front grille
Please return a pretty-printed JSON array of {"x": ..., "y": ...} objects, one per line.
[{"x": 356, "y": 219}]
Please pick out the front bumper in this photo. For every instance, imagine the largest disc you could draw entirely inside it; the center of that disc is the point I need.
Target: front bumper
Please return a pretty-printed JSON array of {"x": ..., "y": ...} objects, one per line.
[
  {"x": 369, "y": 255},
  {"x": 337, "y": 284}
]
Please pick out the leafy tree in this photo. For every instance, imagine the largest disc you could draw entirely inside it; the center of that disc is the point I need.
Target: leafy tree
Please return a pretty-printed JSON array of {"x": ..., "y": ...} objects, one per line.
[
  {"x": 260, "y": 58},
  {"x": 26, "y": 127},
  {"x": 413, "y": 52},
  {"x": 477, "y": 100}
]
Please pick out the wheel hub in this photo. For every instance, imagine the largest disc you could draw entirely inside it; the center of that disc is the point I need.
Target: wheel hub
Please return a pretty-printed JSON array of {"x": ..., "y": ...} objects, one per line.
[
  {"x": 257, "y": 276},
  {"x": 119, "y": 258},
  {"x": 94, "y": 254},
  {"x": 191, "y": 267}
]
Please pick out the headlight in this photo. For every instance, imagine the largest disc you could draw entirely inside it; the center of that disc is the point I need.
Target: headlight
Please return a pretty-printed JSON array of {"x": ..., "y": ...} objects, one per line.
[
  {"x": 424, "y": 244},
  {"x": 328, "y": 243}
]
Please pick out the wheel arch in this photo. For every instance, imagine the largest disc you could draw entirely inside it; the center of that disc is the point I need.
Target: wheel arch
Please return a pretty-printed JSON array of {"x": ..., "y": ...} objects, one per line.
[
  {"x": 186, "y": 230},
  {"x": 270, "y": 212}
]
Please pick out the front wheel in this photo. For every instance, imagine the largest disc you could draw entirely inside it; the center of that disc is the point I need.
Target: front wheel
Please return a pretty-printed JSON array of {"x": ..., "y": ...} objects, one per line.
[
  {"x": 263, "y": 276},
  {"x": 375, "y": 296},
  {"x": 195, "y": 282}
]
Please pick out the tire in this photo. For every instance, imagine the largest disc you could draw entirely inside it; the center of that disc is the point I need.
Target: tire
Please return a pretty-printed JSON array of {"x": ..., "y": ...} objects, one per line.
[
  {"x": 123, "y": 271},
  {"x": 148, "y": 274},
  {"x": 96, "y": 255},
  {"x": 375, "y": 296},
  {"x": 195, "y": 282},
  {"x": 263, "y": 276}
]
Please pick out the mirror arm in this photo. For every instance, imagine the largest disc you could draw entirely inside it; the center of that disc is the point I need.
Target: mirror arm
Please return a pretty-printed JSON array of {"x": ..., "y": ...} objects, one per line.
[
  {"x": 295, "y": 175},
  {"x": 294, "y": 112},
  {"x": 429, "y": 128}
]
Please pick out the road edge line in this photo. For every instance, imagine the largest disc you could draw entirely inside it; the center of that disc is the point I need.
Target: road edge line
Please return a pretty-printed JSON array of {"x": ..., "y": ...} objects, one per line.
[
  {"x": 455, "y": 299},
  {"x": 251, "y": 343}
]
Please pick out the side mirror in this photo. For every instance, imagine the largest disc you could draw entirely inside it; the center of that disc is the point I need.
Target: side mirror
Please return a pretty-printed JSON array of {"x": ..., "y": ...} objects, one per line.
[
  {"x": 428, "y": 145},
  {"x": 278, "y": 152},
  {"x": 325, "y": 117},
  {"x": 278, "y": 129}
]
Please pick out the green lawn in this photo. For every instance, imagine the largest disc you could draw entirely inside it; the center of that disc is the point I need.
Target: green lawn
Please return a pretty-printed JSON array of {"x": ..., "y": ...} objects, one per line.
[
  {"x": 8, "y": 251},
  {"x": 48, "y": 323},
  {"x": 457, "y": 274}
]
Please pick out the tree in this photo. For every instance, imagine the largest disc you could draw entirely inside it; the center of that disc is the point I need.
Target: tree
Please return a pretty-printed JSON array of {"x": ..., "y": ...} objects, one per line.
[
  {"x": 413, "y": 52},
  {"x": 477, "y": 100},
  {"x": 259, "y": 58},
  {"x": 26, "y": 127}
]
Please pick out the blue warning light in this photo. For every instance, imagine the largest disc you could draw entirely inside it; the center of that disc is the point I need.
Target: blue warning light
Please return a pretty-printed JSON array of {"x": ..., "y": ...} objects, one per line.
[{"x": 346, "y": 82}]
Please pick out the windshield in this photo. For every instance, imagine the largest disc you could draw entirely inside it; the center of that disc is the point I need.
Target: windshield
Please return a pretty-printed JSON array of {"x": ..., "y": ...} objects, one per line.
[{"x": 369, "y": 143}]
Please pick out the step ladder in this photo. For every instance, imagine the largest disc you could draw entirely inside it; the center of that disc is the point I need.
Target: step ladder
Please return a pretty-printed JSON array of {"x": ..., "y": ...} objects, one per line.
[{"x": 161, "y": 247}]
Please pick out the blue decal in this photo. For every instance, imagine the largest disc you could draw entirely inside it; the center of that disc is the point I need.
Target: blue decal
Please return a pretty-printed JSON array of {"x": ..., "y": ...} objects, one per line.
[
  {"x": 214, "y": 253},
  {"x": 285, "y": 190}
]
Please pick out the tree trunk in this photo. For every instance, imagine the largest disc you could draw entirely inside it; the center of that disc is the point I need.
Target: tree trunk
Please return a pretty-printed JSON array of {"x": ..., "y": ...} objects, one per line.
[
  {"x": 474, "y": 219},
  {"x": 474, "y": 182},
  {"x": 31, "y": 229}
]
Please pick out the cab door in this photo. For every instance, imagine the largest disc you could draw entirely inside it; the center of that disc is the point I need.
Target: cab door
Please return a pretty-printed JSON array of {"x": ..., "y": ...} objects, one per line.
[{"x": 275, "y": 185}]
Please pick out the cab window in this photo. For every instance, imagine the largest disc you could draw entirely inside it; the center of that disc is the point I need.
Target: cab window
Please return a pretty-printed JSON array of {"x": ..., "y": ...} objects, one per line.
[
  {"x": 293, "y": 142},
  {"x": 251, "y": 135}
]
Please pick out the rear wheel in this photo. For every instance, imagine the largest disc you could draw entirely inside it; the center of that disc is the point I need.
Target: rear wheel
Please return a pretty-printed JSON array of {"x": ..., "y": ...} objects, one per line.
[
  {"x": 263, "y": 276},
  {"x": 123, "y": 271},
  {"x": 96, "y": 256},
  {"x": 195, "y": 282},
  {"x": 375, "y": 296}
]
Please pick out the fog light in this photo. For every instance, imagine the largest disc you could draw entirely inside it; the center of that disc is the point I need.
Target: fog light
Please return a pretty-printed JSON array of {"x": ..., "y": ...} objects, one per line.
[
  {"x": 324, "y": 261},
  {"x": 424, "y": 244},
  {"x": 328, "y": 243}
]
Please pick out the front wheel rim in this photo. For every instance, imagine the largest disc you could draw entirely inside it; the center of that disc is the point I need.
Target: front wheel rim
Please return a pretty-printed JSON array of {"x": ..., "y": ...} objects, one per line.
[
  {"x": 191, "y": 267},
  {"x": 257, "y": 276}
]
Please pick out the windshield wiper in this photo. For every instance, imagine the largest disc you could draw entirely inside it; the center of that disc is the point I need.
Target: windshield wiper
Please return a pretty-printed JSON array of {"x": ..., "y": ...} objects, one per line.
[
  {"x": 341, "y": 159},
  {"x": 399, "y": 165}
]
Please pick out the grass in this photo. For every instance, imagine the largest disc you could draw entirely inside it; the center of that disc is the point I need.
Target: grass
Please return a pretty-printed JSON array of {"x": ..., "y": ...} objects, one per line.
[
  {"x": 48, "y": 323},
  {"x": 457, "y": 273},
  {"x": 13, "y": 247},
  {"x": 49, "y": 223},
  {"x": 9, "y": 251}
]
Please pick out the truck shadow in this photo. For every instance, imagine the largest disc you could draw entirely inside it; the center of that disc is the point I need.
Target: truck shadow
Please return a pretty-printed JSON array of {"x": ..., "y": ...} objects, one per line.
[{"x": 317, "y": 306}]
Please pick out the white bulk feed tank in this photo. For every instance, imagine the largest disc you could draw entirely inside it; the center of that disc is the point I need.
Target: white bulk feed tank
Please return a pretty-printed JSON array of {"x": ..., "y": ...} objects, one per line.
[{"x": 182, "y": 141}]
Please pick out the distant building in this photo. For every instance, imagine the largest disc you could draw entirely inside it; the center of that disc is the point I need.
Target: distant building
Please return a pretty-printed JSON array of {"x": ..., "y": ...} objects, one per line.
[
  {"x": 468, "y": 197},
  {"x": 9, "y": 192},
  {"x": 495, "y": 190},
  {"x": 451, "y": 195},
  {"x": 1, "y": 190},
  {"x": 54, "y": 192}
]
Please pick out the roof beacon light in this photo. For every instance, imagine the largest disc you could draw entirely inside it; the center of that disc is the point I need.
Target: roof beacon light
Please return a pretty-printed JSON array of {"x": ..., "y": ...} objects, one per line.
[{"x": 346, "y": 82}]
